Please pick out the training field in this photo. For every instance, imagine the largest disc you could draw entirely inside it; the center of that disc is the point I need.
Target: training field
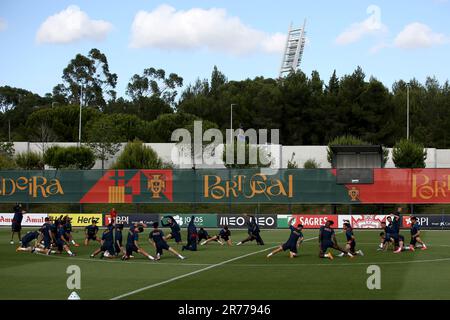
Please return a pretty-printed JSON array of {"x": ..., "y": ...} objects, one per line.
[{"x": 243, "y": 272}]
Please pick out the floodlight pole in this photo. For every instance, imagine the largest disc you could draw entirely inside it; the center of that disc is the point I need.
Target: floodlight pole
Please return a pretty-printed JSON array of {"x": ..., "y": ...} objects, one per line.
[
  {"x": 79, "y": 124},
  {"x": 407, "y": 111},
  {"x": 231, "y": 123}
]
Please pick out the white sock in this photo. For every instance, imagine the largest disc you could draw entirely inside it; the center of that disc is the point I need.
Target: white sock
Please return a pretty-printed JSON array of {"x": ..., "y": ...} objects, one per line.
[
  {"x": 69, "y": 252},
  {"x": 270, "y": 254},
  {"x": 73, "y": 241},
  {"x": 151, "y": 258}
]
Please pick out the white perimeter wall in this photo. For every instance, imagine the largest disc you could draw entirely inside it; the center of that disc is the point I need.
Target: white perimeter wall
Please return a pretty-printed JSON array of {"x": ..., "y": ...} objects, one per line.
[{"x": 437, "y": 158}]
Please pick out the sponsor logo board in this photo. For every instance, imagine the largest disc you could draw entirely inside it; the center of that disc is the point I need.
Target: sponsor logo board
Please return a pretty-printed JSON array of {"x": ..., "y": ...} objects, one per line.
[
  {"x": 29, "y": 219},
  {"x": 240, "y": 221}
]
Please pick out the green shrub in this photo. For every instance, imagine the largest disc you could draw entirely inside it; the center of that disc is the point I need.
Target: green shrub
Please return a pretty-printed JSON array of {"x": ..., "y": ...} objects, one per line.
[
  {"x": 30, "y": 160},
  {"x": 6, "y": 162},
  {"x": 311, "y": 164},
  {"x": 409, "y": 154},
  {"x": 81, "y": 158},
  {"x": 136, "y": 155}
]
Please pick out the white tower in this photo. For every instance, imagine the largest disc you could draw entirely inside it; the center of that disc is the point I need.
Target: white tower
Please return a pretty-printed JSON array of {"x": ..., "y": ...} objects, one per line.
[{"x": 293, "y": 51}]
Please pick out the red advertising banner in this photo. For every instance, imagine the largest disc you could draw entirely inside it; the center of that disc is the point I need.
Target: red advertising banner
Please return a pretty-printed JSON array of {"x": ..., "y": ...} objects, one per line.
[
  {"x": 404, "y": 186},
  {"x": 312, "y": 221}
]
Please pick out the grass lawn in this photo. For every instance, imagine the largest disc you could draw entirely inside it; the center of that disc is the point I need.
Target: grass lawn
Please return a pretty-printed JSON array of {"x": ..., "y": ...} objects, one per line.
[{"x": 237, "y": 272}]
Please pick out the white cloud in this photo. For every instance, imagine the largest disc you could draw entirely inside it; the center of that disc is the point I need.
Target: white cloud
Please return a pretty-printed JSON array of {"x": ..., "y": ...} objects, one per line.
[
  {"x": 371, "y": 26},
  {"x": 3, "y": 24},
  {"x": 418, "y": 35},
  {"x": 71, "y": 25},
  {"x": 213, "y": 29}
]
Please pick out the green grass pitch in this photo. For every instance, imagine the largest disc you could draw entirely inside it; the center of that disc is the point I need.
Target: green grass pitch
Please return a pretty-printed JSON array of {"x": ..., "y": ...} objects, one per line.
[{"x": 237, "y": 272}]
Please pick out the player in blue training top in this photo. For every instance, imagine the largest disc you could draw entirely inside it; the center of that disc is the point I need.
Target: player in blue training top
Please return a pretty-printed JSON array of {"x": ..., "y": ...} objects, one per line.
[
  {"x": 295, "y": 239},
  {"x": 107, "y": 243},
  {"x": 350, "y": 246},
  {"x": 67, "y": 222},
  {"x": 62, "y": 241},
  {"x": 91, "y": 232},
  {"x": 192, "y": 236},
  {"x": 118, "y": 247},
  {"x": 224, "y": 234},
  {"x": 253, "y": 232},
  {"x": 133, "y": 242},
  {"x": 27, "y": 239},
  {"x": 174, "y": 229},
  {"x": 156, "y": 238},
  {"x": 415, "y": 235},
  {"x": 202, "y": 235},
  {"x": 16, "y": 223},
  {"x": 327, "y": 239}
]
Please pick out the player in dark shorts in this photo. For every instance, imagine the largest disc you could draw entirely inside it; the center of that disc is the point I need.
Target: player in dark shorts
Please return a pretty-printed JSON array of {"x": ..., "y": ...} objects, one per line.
[
  {"x": 415, "y": 235},
  {"x": 350, "y": 246},
  {"x": 295, "y": 238},
  {"x": 327, "y": 240},
  {"x": 253, "y": 232},
  {"x": 192, "y": 236},
  {"x": 91, "y": 232},
  {"x": 67, "y": 221},
  {"x": 118, "y": 247},
  {"x": 224, "y": 234},
  {"x": 174, "y": 229},
  {"x": 156, "y": 238},
  {"x": 62, "y": 241},
  {"x": 133, "y": 243},
  {"x": 385, "y": 225},
  {"x": 16, "y": 223},
  {"x": 107, "y": 243},
  {"x": 202, "y": 235},
  {"x": 27, "y": 239}
]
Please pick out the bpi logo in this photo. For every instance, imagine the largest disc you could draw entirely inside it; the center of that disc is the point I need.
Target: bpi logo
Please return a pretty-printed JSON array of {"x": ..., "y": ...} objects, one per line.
[{"x": 119, "y": 219}]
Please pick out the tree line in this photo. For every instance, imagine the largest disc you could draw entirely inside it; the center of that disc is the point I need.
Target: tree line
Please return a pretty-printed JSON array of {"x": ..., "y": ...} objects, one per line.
[{"x": 307, "y": 109}]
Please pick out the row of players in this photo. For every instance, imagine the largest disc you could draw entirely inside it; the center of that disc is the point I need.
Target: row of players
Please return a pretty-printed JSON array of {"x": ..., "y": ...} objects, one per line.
[{"x": 56, "y": 237}]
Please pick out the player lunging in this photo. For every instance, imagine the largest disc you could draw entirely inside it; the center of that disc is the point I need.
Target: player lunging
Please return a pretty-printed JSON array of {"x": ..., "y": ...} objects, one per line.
[
  {"x": 415, "y": 235},
  {"x": 133, "y": 242},
  {"x": 327, "y": 239},
  {"x": 350, "y": 246},
  {"x": 224, "y": 234},
  {"x": 295, "y": 239},
  {"x": 156, "y": 238}
]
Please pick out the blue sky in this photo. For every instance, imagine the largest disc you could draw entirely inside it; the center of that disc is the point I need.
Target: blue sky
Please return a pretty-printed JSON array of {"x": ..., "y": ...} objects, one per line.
[{"x": 389, "y": 39}]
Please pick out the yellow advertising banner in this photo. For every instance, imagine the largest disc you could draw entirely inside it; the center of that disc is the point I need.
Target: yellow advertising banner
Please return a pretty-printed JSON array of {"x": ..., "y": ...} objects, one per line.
[{"x": 80, "y": 219}]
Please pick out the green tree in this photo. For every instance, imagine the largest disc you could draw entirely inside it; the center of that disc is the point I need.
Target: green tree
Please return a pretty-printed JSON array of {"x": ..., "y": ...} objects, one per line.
[
  {"x": 136, "y": 155},
  {"x": 104, "y": 137},
  {"x": 409, "y": 154},
  {"x": 87, "y": 78},
  {"x": 262, "y": 158},
  {"x": 154, "y": 83}
]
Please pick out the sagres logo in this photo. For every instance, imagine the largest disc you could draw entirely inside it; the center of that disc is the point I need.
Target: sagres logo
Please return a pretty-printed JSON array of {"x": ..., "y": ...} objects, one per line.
[{"x": 121, "y": 186}]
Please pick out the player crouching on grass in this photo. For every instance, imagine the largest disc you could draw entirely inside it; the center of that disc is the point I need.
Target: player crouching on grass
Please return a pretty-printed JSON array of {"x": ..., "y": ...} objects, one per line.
[
  {"x": 391, "y": 237},
  {"x": 350, "y": 246},
  {"x": 133, "y": 244},
  {"x": 327, "y": 239},
  {"x": 91, "y": 232},
  {"x": 192, "y": 236},
  {"x": 174, "y": 229},
  {"x": 62, "y": 241},
  {"x": 27, "y": 239},
  {"x": 415, "y": 235},
  {"x": 67, "y": 221},
  {"x": 224, "y": 234},
  {"x": 202, "y": 235},
  {"x": 295, "y": 239},
  {"x": 107, "y": 243},
  {"x": 253, "y": 232},
  {"x": 156, "y": 238}
]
